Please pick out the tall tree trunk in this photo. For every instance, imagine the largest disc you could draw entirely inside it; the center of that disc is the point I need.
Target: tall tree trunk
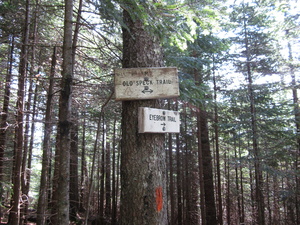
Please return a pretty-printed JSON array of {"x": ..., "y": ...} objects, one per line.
[
  {"x": 25, "y": 177},
  {"x": 107, "y": 186},
  {"x": 91, "y": 180},
  {"x": 102, "y": 172},
  {"x": 179, "y": 178},
  {"x": 64, "y": 124},
  {"x": 114, "y": 175},
  {"x": 191, "y": 181},
  {"x": 4, "y": 113},
  {"x": 171, "y": 174},
  {"x": 14, "y": 215},
  {"x": 179, "y": 182},
  {"x": 210, "y": 205},
  {"x": 44, "y": 182},
  {"x": 259, "y": 198},
  {"x": 185, "y": 171},
  {"x": 276, "y": 210},
  {"x": 228, "y": 200},
  {"x": 268, "y": 199},
  {"x": 297, "y": 125},
  {"x": 216, "y": 129},
  {"x": 242, "y": 215},
  {"x": 200, "y": 164},
  {"x": 74, "y": 189},
  {"x": 143, "y": 165},
  {"x": 27, "y": 172},
  {"x": 237, "y": 184},
  {"x": 84, "y": 174}
]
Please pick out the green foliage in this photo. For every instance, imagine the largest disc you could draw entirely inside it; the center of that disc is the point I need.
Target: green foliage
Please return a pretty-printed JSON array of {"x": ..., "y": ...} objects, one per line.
[
  {"x": 193, "y": 93},
  {"x": 11, "y": 18}
]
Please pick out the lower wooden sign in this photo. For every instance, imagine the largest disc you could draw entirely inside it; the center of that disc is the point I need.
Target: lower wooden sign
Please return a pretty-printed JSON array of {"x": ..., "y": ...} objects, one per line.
[{"x": 152, "y": 120}]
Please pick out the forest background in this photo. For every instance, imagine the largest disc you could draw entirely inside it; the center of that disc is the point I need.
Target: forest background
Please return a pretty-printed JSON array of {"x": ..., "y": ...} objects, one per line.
[{"x": 236, "y": 159}]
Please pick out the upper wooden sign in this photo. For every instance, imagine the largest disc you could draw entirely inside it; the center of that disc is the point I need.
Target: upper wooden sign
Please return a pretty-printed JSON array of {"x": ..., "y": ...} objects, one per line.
[{"x": 146, "y": 83}]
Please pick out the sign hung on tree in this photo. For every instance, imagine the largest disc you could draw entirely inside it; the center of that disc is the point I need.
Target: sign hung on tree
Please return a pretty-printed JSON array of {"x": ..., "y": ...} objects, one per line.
[
  {"x": 152, "y": 120},
  {"x": 146, "y": 83}
]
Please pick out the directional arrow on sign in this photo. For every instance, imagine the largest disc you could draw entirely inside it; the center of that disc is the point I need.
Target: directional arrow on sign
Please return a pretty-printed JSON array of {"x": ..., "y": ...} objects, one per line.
[{"x": 146, "y": 89}]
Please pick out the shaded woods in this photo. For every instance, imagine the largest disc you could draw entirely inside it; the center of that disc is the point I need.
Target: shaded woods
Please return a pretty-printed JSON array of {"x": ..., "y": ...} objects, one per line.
[{"x": 71, "y": 153}]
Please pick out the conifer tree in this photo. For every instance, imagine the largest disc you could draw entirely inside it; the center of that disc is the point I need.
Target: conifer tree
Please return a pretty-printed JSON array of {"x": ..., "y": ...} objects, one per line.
[{"x": 143, "y": 167}]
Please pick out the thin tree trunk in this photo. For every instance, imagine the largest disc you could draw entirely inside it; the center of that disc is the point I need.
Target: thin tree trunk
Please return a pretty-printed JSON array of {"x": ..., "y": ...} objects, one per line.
[
  {"x": 74, "y": 189},
  {"x": 108, "y": 186},
  {"x": 179, "y": 182},
  {"x": 192, "y": 185},
  {"x": 25, "y": 176},
  {"x": 242, "y": 215},
  {"x": 171, "y": 184},
  {"x": 228, "y": 200},
  {"x": 216, "y": 129},
  {"x": 259, "y": 198},
  {"x": 185, "y": 178},
  {"x": 276, "y": 211},
  {"x": 237, "y": 185},
  {"x": 84, "y": 174},
  {"x": 200, "y": 163},
  {"x": 102, "y": 172},
  {"x": 27, "y": 171},
  {"x": 25, "y": 149},
  {"x": 4, "y": 113},
  {"x": 118, "y": 176},
  {"x": 114, "y": 188},
  {"x": 44, "y": 182},
  {"x": 297, "y": 125},
  {"x": 268, "y": 199},
  {"x": 210, "y": 206},
  {"x": 14, "y": 215},
  {"x": 91, "y": 181}
]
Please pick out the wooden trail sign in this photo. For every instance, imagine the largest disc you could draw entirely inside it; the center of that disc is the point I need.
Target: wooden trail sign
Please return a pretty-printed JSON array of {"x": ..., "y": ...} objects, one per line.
[
  {"x": 158, "y": 121},
  {"x": 146, "y": 83}
]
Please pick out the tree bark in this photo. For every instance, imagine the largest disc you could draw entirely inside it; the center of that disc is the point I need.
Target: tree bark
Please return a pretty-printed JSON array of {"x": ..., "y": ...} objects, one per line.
[
  {"x": 216, "y": 130},
  {"x": 14, "y": 215},
  {"x": 102, "y": 171},
  {"x": 64, "y": 124},
  {"x": 210, "y": 206},
  {"x": 74, "y": 189},
  {"x": 91, "y": 180},
  {"x": 179, "y": 182},
  {"x": 297, "y": 126},
  {"x": 171, "y": 179},
  {"x": 44, "y": 182},
  {"x": 259, "y": 198},
  {"x": 4, "y": 113},
  {"x": 114, "y": 177},
  {"x": 143, "y": 166},
  {"x": 201, "y": 178},
  {"x": 83, "y": 168},
  {"x": 107, "y": 211}
]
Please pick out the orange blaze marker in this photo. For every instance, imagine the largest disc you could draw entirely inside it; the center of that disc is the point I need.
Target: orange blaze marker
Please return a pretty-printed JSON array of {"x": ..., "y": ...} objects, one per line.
[{"x": 159, "y": 199}]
